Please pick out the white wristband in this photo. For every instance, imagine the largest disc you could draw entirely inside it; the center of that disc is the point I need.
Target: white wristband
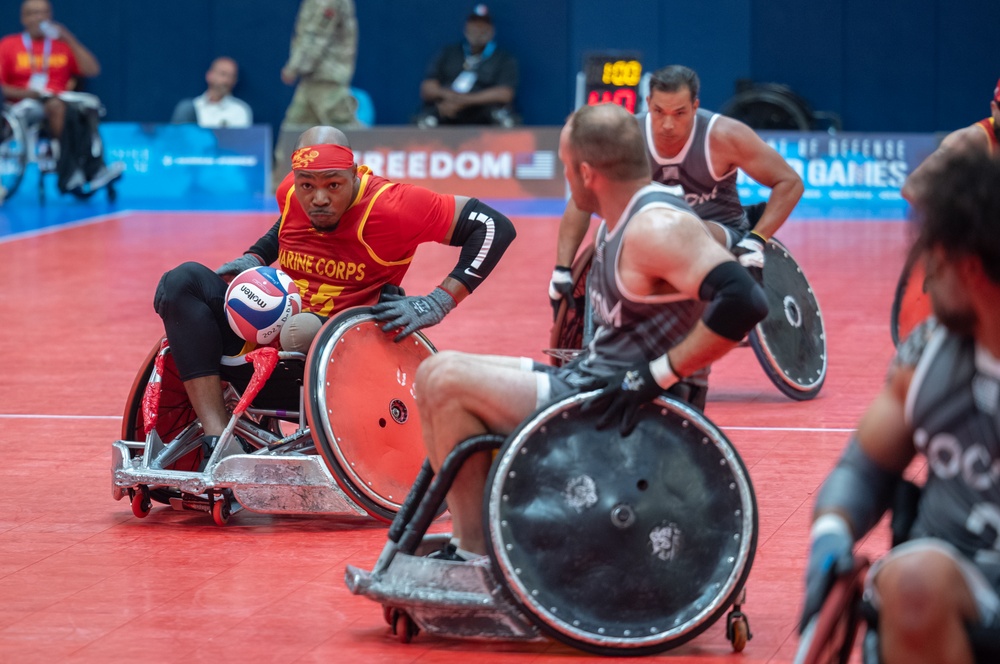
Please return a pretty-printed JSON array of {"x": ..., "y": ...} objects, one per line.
[
  {"x": 662, "y": 372},
  {"x": 830, "y": 522}
]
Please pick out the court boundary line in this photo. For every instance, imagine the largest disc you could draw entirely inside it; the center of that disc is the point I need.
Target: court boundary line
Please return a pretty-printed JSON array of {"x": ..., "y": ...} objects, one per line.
[
  {"x": 86, "y": 221},
  {"x": 28, "y": 416}
]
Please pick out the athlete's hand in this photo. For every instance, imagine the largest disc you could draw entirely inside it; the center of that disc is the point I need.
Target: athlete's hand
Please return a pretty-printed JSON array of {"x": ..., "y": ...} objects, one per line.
[
  {"x": 830, "y": 555},
  {"x": 750, "y": 253},
  {"x": 234, "y": 267},
  {"x": 411, "y": 313},
  {"x": 560, "y": 286},
  {"x": 621, "y": 396}
]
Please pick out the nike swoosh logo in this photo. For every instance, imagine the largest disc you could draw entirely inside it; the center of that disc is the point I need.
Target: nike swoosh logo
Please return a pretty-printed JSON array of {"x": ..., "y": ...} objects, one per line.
[{"x": 469, "y": 272}]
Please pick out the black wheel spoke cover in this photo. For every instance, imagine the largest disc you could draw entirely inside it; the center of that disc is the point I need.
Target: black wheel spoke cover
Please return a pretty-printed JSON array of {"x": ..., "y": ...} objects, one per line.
[
  {"x": 790, "y": 343},
  {"x": 611, "y": 543}
]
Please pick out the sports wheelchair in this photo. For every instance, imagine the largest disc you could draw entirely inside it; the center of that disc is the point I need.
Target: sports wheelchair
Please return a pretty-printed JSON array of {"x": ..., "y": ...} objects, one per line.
[
  {"x": 613, "y": 545},
  {"x": 351, "y": 446},
  {"x": 830, "y": 637},
  {"x": 24, "y": 141},
  {"x": 790, "y": 343}
]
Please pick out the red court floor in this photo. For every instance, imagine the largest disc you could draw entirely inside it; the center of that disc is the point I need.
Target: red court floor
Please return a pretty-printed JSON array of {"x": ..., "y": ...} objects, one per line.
[{"x": 81, "y": 579}]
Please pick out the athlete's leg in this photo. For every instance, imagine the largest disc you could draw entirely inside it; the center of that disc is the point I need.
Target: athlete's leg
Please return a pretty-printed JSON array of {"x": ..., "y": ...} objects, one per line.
[
  {"x": 191, "y": 301},
  {"x": 460, "y": 396},
  {"x": 925, "y": 601}
]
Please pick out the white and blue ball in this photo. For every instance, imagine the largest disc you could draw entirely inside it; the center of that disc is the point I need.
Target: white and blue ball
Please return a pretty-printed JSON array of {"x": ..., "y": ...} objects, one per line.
[{"x": 259, "y": 301}]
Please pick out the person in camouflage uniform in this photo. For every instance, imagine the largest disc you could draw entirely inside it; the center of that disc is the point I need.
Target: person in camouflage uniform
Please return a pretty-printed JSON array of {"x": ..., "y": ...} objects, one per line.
[{"x": 323, "y": 53}]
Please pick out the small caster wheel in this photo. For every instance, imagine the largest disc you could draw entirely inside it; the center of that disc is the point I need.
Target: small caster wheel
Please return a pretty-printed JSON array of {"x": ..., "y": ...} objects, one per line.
[
  {"x": 222, "y": 509},
  {"x": 403, "y": 627},
  {"x": 738, "y": 630},
  {"x": 141, "y": 503},
  {"x": 387, "y": 614},
  {"x": 117, "y": 492}
]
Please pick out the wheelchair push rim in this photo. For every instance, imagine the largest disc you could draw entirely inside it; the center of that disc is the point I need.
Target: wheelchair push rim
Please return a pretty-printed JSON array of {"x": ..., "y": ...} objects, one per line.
[
  {"x": 671, "y": 508},
  {"x": 13, "y": 154},
  {"x": 790, "y": 343},
  {"x": 911, "y": 304},
  {"x": 361, "y": 409}
]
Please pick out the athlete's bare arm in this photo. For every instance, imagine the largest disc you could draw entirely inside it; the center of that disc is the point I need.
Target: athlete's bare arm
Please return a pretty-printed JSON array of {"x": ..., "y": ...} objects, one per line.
[
  {"x": 734, "y": 144},
  {"x": 573, "y": 229},
  {"x": 670, "y": 251},
  {"x": 882, "y": 431},
  {"x": 968, "y": 139}
]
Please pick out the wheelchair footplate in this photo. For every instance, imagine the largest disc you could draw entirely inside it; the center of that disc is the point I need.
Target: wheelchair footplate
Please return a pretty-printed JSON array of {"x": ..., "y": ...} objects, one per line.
[{"x": 442, "y": 597}]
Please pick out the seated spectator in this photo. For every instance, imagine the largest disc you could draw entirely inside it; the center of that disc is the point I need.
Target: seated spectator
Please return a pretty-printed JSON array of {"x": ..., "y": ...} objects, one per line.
[
  {"x": 38, "y": 71},
  {"x": 470, "y": 82},
  {"x": 216, "y": 107}
]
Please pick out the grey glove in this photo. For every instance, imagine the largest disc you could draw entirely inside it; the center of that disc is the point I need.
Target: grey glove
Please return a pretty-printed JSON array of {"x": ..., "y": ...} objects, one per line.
[
  {"x": 621, "y": 396},
  {"x": 831, "y": 555},
  {"x": 411, "y": 313},
  {"x": 244, "y": 262},
  {"x": 750, "y": 253},
  {"x": 560, "y": 286}
]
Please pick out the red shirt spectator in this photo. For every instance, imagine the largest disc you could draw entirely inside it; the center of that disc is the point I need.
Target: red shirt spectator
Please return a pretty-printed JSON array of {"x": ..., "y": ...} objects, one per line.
[{"x": 50, "y": 58}]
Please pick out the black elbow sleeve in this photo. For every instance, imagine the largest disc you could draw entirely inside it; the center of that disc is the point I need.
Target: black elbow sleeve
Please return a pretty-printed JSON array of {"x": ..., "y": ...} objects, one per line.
[
  {"x": 484, "y": 235},
  {"x": 736, "y": 301}
]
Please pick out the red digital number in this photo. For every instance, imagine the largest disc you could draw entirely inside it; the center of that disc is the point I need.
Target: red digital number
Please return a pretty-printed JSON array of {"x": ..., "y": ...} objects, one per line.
[{"x": 623, "y": 97}]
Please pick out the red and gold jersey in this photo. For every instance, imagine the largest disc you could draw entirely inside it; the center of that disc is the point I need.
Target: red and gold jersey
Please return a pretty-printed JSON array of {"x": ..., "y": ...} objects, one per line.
[
  {"x": 372, "y": 245},
  {"x": 991, "y": 134},
  {"x": 17, "y": 66}
]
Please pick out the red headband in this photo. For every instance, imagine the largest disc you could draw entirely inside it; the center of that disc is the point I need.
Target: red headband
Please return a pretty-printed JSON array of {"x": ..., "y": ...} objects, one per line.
[{"x": 322, "y": 158}]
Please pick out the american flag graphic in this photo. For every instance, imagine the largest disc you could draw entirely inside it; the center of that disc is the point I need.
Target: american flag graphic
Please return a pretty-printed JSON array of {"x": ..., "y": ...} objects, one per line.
[{"x": 538, "y": 165}]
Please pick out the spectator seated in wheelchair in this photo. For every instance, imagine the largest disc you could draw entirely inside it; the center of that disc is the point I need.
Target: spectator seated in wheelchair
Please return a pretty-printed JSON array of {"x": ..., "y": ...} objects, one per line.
[
  {"x": 936, "y": 592},
  {"x": 39, "y": 69}
]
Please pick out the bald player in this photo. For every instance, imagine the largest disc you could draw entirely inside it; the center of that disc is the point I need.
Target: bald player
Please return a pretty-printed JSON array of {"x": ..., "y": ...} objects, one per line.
[{"x": 343, "y": 235}]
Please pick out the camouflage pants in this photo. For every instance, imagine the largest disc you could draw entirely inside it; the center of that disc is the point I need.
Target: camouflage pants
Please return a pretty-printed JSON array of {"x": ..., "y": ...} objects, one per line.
[
  {"x": 314, "y": 103},
  {"x": 322, "y": 103}
]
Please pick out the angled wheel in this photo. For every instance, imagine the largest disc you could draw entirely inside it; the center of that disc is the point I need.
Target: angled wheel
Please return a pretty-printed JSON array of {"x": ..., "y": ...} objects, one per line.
[
  {"x": 362, "y": 411},
  {"x": 13, "y": 154},
  {"x": 911, "y": 304},
  {"x": 763, "y": 108},
  {"x": 661, "y": 525},
  {"x": 571, "y": 324},
  {"x": 790, "y": 343},
  {"x": 829, "y": 639},
  {"x": 174, "y": 413}
]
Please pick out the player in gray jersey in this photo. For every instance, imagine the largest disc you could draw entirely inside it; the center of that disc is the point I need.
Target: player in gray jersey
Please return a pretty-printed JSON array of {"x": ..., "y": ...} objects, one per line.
[
  {"x": 941, "y": 401},
  {"x": 669, "y": 300},
  {"x": 701, "y": 151}
]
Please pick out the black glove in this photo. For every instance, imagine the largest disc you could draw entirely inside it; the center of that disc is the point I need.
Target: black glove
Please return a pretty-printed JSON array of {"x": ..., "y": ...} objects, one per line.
[
  {"x": 414, "y": 312},
  {"x": 560, "y": 286},
  {"x": 830, "y": 555},
  {"x": 244, "y": 262},
  {"x": 750, "y": 253},
  {"x": 621, "y": 396}
]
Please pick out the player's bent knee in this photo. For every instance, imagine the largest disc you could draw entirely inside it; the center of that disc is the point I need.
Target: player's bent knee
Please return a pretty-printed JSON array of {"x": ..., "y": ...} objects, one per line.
[
  {"x": 298, "y": 333},
  {"x": 435, "y": 381},
  {"x": 919, "y": 590}
]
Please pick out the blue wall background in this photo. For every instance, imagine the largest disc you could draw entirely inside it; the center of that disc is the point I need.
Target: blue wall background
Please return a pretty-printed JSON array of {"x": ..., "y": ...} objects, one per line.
[{"x": 889, "y": 65}]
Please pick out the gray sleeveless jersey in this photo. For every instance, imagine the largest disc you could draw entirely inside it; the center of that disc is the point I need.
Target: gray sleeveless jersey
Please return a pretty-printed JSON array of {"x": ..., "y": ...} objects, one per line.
[
  {"x": 952, "y": 407},
  {"x": 713, "y": 197},
  {"x": 632, "y": 328}
]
